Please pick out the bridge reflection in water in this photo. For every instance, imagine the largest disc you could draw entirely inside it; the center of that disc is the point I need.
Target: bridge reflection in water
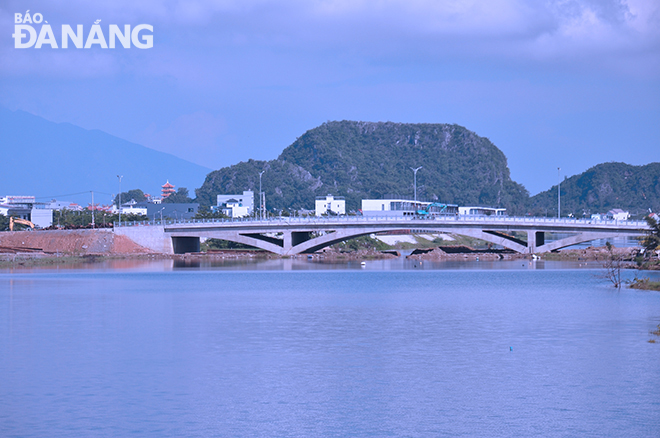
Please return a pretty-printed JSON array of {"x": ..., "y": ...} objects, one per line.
[{"x": 289, "y": 236}]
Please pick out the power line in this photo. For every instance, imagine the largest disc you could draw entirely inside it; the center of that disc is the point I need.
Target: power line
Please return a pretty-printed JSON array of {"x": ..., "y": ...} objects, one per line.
[{"x": 72, "y": 194}]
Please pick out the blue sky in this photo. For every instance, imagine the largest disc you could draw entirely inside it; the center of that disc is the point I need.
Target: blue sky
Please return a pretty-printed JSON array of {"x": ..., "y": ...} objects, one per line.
[{"x": 569, "y": 83}]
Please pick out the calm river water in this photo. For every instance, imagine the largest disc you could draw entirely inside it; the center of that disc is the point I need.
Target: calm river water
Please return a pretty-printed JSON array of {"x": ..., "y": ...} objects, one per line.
[{"x": 291, "y": 348}]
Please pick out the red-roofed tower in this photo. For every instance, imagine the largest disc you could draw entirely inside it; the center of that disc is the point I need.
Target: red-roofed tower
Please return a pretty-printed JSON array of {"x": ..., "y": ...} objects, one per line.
[{"x": 167, "y": 189}]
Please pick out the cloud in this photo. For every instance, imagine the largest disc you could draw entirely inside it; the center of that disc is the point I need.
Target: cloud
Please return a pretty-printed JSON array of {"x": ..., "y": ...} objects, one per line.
[{"x": 188, "y": 33}]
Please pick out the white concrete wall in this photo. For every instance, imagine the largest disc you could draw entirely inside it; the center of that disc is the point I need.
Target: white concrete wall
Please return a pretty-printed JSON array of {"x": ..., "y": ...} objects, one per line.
[
  {"x": 42, "y": 217},
  {"x": 376, "y": 204},
  {"x": 337, "y": 206},
  {"x": 152, "y": 237},
  {"x": 246, "y": 200},
  {"x": 237, "y": 211}
]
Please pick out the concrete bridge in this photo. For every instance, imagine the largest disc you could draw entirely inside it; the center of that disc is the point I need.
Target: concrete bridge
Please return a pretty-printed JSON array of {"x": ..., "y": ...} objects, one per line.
[{"x": 289, "y": 236}]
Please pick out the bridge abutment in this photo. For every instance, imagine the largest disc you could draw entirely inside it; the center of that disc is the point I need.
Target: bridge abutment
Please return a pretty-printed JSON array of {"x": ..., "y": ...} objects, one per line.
[{"x": 152, "y": 237}]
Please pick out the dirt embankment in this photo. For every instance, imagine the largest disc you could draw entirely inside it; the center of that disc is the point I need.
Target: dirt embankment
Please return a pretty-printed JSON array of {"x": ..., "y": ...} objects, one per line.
[
  {"x": 69, "y": 242},
  {"x": 337, "y": 254},
  {"x": 462, "y": 253}
]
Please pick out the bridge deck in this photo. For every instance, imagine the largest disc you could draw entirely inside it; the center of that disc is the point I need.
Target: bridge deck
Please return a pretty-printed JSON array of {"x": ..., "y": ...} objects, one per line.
[
  {"x": 295, "y": 235},
  {"x": 551, "y": 224}
]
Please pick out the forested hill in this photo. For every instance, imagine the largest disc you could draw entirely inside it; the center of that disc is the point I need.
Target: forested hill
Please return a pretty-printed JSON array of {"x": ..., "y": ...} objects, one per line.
[
  {"x": 603, "y": 187},
  {"x": 373, "y": 160}
]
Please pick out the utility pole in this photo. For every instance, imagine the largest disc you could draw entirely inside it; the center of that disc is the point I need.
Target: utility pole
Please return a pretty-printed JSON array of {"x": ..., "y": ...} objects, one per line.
[
  {"x": 415, "y": 177},
  {"x": 119, "y": 198},
  {"x": 93, "y": 209},
  {"x": 263, "y": 199},
  {"x": 559, "y": 193}
]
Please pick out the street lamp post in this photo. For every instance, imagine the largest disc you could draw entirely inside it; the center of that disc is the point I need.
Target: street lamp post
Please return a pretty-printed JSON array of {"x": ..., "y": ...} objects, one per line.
[
  {"x": 119, "y": 198},
  {"x": 415, "y": 177},
  {"x": 261, "y": 204},
  {"x": 559, "y": 193}
]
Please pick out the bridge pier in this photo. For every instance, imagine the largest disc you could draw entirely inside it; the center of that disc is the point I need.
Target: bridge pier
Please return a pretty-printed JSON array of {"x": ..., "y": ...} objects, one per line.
[
  {"x": 535, "y": 240},
  {"x": 293, "y": 239}
]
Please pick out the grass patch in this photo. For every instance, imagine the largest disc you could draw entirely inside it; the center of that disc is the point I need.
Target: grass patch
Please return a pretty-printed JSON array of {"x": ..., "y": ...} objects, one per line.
[
  {"x": 219, "y": 244},
  {"x": 649, "y": 265},
  {"x": 655, "y": 333},
  {"x": 645, "y": 284},
  {"x": 423, "y": 243},
  {"x": 362, "y": 242}
]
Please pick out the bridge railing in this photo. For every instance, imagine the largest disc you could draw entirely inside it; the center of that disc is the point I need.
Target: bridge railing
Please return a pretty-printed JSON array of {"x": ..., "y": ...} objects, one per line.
[{"x": 414, "y": 221}]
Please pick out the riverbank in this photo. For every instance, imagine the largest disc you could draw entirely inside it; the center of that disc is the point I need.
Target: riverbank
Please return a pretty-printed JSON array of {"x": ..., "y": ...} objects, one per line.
[
  {"x": 645, "y": 284},
  {"x": 74, "y": 243},
  {"x": 76, "y": 246},
  {"x": 463, "y": 253}
]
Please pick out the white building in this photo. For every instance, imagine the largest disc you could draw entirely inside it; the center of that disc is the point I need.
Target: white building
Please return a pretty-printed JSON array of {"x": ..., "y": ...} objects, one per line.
[
  {"x": 63, "y": 205},
  {"x": 618, "y": 215},
  {"x": 233, "y": 208},
  {"x": 26, "y": 207},
  {"x": 131, "y": 207},
  {"x": 330, "y": 205},
  {"x": 404, "y": 207},
  {"x": 40, "y": 216},
  {"x": 481, "y": 211},
  {"x": 242, "y": 204},
  {"x": 17, "y": 199}
]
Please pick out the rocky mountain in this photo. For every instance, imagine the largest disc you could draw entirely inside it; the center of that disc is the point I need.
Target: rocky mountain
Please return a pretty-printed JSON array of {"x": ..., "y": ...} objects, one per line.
[
  {"x": 373, "y": 160},
  {"x": 601, "y": 188}
]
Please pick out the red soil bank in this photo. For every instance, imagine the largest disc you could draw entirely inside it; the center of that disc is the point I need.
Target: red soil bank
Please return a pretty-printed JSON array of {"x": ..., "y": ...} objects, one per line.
[{"x": 74, "y": 242}]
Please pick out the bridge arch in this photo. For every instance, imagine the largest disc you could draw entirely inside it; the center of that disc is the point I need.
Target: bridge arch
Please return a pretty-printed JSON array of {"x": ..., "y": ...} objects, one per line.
[
  {"x": 283, "y": 247},
  {"x": 579, "y": 238},
  {"x": 289, "y": 237}
]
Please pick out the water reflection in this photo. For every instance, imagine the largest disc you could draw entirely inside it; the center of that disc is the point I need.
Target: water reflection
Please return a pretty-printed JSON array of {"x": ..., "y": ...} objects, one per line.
[{"x": 299, "y": 264}]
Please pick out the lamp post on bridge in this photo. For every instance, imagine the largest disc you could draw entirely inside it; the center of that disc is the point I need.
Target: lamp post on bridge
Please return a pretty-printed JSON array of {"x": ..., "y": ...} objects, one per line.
[
  {"x": 119, "y": 198},
  {"x": 261, "y": 204},
  {"x": 415, "y": 178}
]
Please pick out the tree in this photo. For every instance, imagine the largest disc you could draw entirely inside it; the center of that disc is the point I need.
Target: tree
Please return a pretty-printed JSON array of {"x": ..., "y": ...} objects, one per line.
[
  {"x": 613, "y": 264},
  {"x": 651, "y": 241},
  {"x": 72, "y": 219},
  {"x": 205, "y": 212},
  {"x": 4, "y": 222},
  {"x": 136, "y": 194},
  {"x": 180, "y": 197}
]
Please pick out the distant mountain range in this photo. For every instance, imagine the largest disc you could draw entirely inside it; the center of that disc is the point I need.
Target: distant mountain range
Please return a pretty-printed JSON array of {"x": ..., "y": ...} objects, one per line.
[
  {"x": 63, "y": 161},
  {"x": 373, "y": 160},
  {"x": 352, "y": 159}
]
